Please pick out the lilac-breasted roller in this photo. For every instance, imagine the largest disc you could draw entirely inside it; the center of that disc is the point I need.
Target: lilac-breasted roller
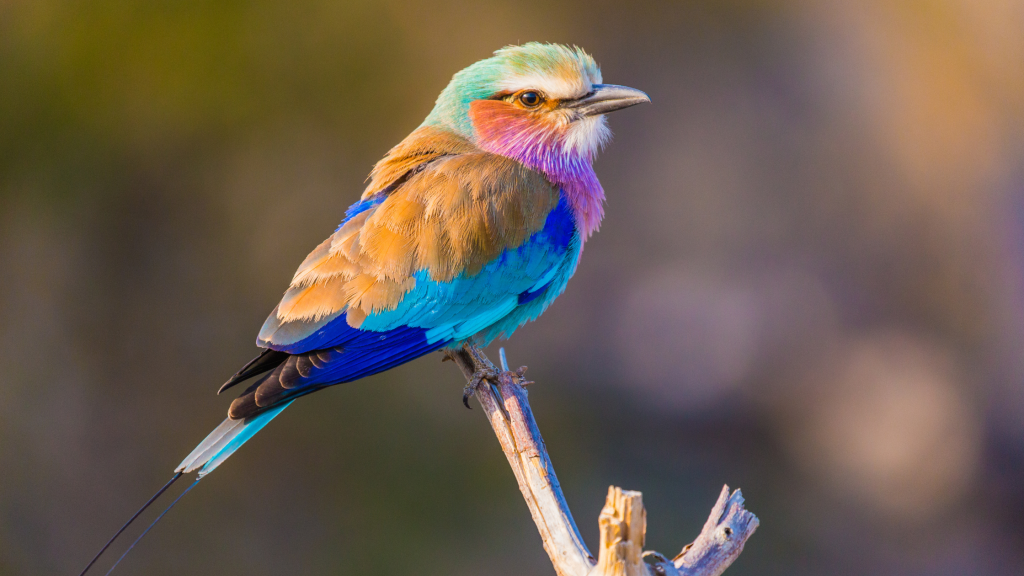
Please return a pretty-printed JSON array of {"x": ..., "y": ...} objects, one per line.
[{"x": 469, "y": 228}]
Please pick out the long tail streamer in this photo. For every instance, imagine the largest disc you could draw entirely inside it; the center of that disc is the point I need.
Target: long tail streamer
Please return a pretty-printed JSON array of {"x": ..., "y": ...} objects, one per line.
[
  {"x": 129, "y": 522},
  {"x": 211, "y": 453},
  {"x": 146, "y": 531}
]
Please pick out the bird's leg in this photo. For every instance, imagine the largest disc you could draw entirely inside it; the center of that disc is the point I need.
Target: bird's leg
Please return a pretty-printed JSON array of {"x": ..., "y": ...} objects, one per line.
[
  {"x": 483, "y": 370},
  {"x": 474, "y": 365}
]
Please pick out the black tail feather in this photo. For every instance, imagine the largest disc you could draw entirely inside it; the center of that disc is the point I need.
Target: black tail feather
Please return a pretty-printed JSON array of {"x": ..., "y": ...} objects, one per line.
[
  {"x": 267, "y": 360},
  {"x": 158, "y": 518},
  {"x": 129, "y": 522}
]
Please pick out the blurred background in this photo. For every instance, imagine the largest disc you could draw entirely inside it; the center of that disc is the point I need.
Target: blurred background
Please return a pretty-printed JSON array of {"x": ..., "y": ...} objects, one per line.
[{"x": 810, "y": 284}]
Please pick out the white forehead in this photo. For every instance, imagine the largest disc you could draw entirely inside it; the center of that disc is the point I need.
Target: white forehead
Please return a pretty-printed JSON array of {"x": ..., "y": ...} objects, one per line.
[{"x": 564, "y": 85}]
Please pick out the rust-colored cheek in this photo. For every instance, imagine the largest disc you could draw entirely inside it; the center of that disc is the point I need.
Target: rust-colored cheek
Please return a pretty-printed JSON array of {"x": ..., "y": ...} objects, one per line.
[{"x": 497, "y": 121}]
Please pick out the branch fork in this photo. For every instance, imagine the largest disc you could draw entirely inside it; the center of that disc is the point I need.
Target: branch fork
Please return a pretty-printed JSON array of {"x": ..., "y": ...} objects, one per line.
[{"x": 623, "y": 521}]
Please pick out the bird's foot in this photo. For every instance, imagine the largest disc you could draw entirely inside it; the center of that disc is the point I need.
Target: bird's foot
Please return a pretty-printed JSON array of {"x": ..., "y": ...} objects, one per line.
[
  {"x": 479, "y": 377},
  {"x": 502, "y": 378},
  {"x": 484, "y": 370}
]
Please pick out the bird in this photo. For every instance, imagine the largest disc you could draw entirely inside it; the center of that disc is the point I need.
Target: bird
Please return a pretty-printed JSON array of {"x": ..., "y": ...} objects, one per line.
[{"x": 467, "y": 229}]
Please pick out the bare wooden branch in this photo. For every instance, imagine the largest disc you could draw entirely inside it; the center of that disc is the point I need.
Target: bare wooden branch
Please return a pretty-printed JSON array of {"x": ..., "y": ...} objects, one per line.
[
  {"x": 623, "y": 521},
  {"x": 623, "y": 524},
  {"x": 722, "y": 539},
  {"x": 508, "y": 411}
]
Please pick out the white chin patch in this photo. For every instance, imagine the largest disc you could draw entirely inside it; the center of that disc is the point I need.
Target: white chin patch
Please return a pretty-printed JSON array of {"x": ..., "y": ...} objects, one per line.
[{"x": 586, "y": 137}]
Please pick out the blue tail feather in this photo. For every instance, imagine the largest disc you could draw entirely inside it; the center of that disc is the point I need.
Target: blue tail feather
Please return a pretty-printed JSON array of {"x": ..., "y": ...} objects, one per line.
[{"x": 224, "y": 440}]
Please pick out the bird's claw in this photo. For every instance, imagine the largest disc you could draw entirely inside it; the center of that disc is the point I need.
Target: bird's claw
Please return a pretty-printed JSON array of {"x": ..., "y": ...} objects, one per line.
[{"x": 479, "y": 377}]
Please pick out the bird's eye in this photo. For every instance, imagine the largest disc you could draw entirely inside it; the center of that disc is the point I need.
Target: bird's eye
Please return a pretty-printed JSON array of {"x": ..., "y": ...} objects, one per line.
[{"x": 530, "y": 99}]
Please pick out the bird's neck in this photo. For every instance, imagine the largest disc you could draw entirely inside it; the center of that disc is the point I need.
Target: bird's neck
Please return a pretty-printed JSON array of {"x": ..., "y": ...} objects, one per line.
[{"x": 548, "y": 149}]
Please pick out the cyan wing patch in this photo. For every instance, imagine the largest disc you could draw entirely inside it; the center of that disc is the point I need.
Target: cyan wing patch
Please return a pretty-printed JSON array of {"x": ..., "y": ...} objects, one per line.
[{"x": 464, "y": 306}]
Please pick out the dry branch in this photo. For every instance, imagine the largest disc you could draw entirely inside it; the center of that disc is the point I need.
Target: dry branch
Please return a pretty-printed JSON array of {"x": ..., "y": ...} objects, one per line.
[{"x": 623, "y": 521}]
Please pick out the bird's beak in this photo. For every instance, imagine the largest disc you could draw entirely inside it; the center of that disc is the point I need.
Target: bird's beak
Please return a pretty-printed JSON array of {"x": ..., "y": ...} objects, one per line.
[{"x": 606, "y": 98}]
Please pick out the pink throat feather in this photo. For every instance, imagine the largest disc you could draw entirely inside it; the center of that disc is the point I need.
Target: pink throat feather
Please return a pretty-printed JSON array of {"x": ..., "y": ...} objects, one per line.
[{"x": 542, "y": 146}]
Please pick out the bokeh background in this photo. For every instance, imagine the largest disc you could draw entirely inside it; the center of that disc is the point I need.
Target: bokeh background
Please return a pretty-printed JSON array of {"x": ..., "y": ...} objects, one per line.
[{"x": 810, "y": 284}]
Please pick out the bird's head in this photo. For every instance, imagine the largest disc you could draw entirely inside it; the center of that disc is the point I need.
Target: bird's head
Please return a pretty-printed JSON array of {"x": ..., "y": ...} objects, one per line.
[{"x": 542, "y": 104}]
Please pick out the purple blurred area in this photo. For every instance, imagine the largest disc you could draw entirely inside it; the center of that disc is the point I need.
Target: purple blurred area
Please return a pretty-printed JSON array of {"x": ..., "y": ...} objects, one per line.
[{"x": 809, "y": 284}]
